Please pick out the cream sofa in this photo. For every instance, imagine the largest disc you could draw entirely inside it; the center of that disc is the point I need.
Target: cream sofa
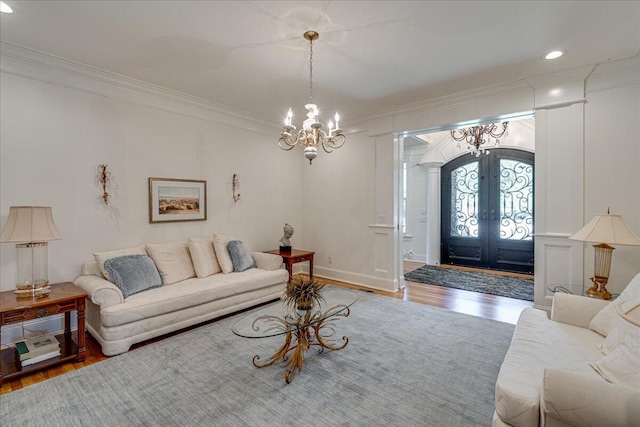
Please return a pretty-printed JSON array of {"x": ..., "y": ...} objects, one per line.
[
  {"x": 185, "y": 299},
  {"x": 561, "y": 372}
]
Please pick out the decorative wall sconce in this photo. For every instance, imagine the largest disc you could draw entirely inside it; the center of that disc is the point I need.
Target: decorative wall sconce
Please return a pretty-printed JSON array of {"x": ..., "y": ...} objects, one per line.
[
  {"x": 235, "y": 184},
  {"x": 103, "y": 178}
]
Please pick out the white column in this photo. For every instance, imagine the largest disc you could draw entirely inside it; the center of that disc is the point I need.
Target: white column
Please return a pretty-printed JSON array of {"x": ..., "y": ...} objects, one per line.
[{"x": 433, "y": 212}]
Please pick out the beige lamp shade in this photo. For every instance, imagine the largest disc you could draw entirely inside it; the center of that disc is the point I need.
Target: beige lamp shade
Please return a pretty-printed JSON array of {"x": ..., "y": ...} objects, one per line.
[
  {"x": 30, "y": 224},
  {"x": 609, "y": 229}
]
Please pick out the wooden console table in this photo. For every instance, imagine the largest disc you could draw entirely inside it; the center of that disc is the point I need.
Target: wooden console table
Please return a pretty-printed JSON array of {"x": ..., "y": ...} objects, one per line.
[
  {"x": 296, "y": 255},
  {"x": 64, "y": 298}
]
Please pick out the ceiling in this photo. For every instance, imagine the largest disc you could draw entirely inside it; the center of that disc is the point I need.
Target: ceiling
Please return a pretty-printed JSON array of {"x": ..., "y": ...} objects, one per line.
[{"x": 371, "y": 55}]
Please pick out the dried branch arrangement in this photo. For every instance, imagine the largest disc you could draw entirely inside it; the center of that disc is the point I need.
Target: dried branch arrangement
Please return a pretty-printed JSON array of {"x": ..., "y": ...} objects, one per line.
[
  {"x": 103, "y": 177},
  {"x": 235, "y": 184}
]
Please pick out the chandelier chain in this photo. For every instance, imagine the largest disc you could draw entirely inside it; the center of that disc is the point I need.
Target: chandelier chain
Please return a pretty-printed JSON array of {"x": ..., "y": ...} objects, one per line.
[{"x": 311, "y": 72}]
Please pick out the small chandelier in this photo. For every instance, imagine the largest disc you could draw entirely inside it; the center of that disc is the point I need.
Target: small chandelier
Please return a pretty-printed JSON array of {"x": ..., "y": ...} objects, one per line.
[
  {"x": 475, "y": 136},
  {"x": 311, "y": 135}
]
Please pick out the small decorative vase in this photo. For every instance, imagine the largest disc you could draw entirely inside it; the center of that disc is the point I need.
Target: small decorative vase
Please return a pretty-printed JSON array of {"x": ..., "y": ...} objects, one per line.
[{"x": 303, "y": 307}]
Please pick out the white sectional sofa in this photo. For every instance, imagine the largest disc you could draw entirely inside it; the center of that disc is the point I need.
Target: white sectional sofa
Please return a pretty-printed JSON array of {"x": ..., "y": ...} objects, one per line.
[
  {"x": 198, "y": 284},
  {"x": 581, "y": 367}
]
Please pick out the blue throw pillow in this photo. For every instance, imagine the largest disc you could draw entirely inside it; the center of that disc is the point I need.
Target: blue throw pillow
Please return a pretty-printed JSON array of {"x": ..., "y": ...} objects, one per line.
[
  {"x": 133, "y": 273},
  {"x": 240, "y": 256}
]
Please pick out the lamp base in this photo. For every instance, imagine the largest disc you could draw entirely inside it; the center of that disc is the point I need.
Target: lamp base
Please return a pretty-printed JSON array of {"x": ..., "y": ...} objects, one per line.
[
  {"x": 39, "y": 290},
  {"x": 598, "y": 290}
]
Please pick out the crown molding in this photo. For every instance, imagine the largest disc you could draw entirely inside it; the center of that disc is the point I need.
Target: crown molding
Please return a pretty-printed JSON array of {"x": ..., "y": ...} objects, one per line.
[
  {"x": 619, "y": 72},
  {"x": 471, "y": 95},
  {"x": 51, "y": 69},
  {"x": 565, "y": 76},
  {"x": 609, "y": 75}
]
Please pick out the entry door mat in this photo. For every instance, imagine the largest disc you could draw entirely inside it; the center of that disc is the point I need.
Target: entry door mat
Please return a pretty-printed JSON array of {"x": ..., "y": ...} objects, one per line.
[{"x": 486, "y": 283}]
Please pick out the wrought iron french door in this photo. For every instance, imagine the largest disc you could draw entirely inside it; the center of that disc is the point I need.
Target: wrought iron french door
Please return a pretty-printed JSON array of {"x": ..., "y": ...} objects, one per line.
[{"x": 487, "y": 211}]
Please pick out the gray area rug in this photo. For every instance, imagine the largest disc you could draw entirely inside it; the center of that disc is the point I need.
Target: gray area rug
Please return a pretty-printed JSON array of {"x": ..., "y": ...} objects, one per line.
[
  {"x": 493, "y": 284},
  {"x": 406, "y": 364}
]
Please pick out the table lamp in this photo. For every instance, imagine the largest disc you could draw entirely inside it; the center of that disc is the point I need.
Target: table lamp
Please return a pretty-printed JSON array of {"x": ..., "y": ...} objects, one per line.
[
  {"x": 605, "y": 230},
  {"x": 31, "y": 227}
]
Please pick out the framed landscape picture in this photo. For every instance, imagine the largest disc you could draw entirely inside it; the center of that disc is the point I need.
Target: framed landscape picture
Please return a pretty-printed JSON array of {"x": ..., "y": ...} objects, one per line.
[{"x": 177, "y": 200}]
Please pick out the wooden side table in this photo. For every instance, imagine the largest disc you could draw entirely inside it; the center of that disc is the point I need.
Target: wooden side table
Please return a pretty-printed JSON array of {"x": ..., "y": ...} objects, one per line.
[
  {"x": 64, "y": 298},
  {"x": 575, "y": 290},
  {"x": 296, "y": 255}
]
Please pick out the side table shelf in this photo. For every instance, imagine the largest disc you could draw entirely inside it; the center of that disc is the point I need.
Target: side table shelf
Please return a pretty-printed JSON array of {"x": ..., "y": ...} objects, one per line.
[
  {"x": 573, "y": 289},
  {"x": 63, "y": 299},
  {"x": 11, "y": 369}
]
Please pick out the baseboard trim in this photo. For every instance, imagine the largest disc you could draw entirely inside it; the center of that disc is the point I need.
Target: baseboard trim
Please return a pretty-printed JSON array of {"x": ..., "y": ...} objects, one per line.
[{"x": 372, "y": 282}]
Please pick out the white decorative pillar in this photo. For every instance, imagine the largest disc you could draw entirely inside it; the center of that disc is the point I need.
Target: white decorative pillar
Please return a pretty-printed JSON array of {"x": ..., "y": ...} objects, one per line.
[
  {"x": 559, "y": 181},
  {"x": 433, "y": 212}
]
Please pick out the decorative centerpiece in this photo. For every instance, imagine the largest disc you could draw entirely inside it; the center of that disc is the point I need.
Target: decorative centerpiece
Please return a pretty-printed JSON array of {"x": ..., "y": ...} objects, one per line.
[
  {"x": 303, "y": 293},
  {"x": 285, "y": 243}
]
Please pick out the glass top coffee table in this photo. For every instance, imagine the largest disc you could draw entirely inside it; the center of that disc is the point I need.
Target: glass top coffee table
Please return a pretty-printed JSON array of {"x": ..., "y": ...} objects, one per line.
[{"x": 302, "y": 329}]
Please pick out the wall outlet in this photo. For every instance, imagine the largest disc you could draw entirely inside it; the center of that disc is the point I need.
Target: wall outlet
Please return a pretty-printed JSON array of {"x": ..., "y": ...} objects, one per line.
[{"x": 330, "y": 259}]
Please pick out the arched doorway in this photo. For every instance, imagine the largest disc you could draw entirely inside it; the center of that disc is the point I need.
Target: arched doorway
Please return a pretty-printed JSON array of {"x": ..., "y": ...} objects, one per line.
[{"x": 487, "y": 211}]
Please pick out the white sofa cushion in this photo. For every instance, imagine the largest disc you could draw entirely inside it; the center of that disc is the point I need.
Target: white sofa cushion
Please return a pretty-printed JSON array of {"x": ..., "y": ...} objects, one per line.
[
  {"x": 101, "y": 257},
  {"x": 222, "y": 253},
  {"x": 626, "y": 329},
  {"x": 191, "y": 292},
  {"x": 575, "y": 399},
  {"x": 605, "y": 320},
  {"x": 622, "y": 346},
  {"x": 621, "y": 366},
  {"x": 173, "y": 261},
  {"x": 203, "y": 256},
  {"x": 540, "y": 343}
]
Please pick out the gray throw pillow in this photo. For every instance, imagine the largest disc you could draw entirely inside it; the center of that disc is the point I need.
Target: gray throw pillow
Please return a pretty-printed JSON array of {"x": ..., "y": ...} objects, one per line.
[
  {"x": 133, "y": 273},
  {"x": 240, "y": 256}
]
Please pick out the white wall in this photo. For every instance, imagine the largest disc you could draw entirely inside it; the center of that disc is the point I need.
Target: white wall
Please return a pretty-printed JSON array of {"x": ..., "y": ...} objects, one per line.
[
  {"x": 338, "y": 217},
  {"x": 415, "y": 237},
  {"x": 53, "y": 138},
  {"x": 612, "y": 160}
]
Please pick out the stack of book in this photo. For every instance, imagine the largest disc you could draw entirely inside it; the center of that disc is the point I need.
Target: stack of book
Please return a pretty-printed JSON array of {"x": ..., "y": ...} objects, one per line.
[{"x": 36, "y": 350}]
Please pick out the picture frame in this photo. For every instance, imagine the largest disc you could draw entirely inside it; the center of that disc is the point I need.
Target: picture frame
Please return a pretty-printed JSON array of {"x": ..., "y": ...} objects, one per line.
[{"x": 173, "y": 200}]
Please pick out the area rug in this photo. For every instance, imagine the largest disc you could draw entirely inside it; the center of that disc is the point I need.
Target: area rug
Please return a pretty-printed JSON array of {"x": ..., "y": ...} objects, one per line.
[
  {"x": 493, "y": 284},
  {"x": 405, "y": 364}
]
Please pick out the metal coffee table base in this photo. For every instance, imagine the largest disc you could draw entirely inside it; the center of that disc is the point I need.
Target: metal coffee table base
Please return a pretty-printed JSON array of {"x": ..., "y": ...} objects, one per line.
[{"x": 319, "y": 332}]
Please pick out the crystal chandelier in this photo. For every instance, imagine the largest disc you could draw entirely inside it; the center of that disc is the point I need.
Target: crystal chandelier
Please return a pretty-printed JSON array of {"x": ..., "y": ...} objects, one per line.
[
  {"x": 477, "y": 136},
  {"x": 311, "y": 135}
]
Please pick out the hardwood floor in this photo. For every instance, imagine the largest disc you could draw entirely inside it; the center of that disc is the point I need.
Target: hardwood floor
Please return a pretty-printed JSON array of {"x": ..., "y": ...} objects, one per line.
[{"x": 482, "y": 305}]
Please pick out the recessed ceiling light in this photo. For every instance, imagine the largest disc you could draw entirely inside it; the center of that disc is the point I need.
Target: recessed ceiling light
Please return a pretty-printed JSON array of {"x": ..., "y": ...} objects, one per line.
[
  {"x": 4, "y": 8},
  {"x": 554, "y": 54}
]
